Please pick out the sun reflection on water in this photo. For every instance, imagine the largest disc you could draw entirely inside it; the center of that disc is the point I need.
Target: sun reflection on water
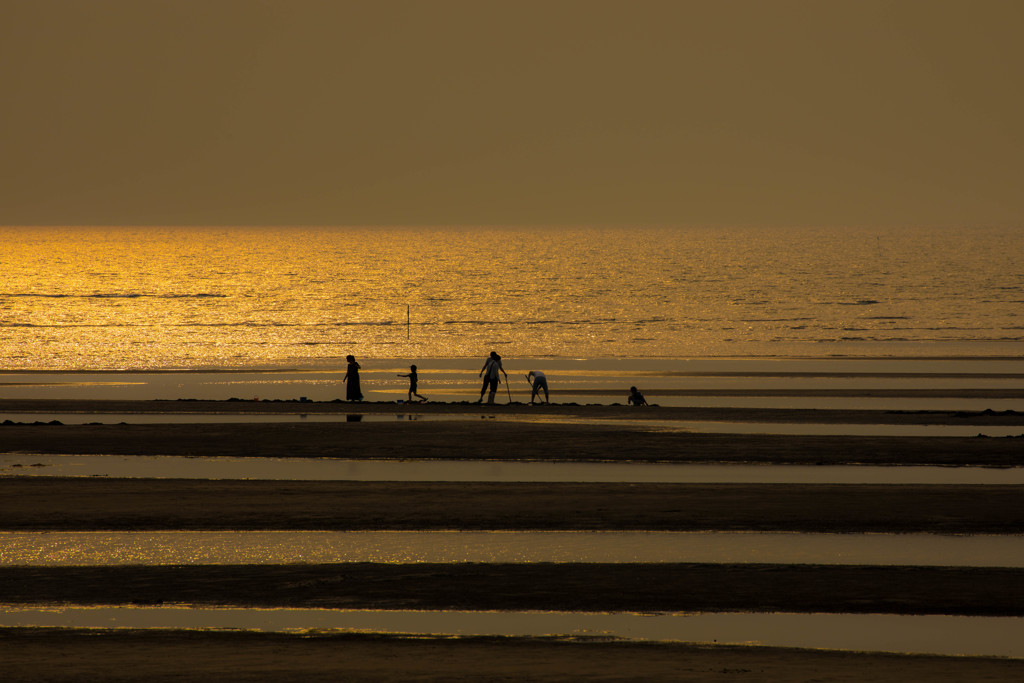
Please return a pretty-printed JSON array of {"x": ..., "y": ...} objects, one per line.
[{"x": 212, "y": 297}]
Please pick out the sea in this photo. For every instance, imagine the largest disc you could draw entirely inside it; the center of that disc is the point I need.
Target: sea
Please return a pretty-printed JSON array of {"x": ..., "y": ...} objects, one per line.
[{"x": 214, "y": 298}]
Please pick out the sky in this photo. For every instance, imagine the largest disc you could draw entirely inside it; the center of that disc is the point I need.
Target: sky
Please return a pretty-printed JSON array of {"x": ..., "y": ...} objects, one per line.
[{"x": 478, "y": 112}]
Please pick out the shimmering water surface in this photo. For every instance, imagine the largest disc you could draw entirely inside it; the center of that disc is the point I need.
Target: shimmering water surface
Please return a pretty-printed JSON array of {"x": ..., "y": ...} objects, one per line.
[
  {"x": 289, "y": 547},
  {"x": 920, "y": 634},
  {"x": 215, "y": 298}
]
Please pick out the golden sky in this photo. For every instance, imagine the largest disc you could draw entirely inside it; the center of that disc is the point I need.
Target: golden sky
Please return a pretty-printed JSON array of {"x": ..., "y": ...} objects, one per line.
[{"x": 718, "y": 112}]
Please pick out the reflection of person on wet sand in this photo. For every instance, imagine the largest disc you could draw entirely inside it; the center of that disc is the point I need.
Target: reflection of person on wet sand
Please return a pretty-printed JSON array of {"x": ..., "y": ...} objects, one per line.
[
  {"x": 413, "y": 378},
  {"x": 490, "y": 374},
  {"x": 353, "y": 392},
  {"x": 636, "y": 398},
  {"x": 538, "y": 380}
]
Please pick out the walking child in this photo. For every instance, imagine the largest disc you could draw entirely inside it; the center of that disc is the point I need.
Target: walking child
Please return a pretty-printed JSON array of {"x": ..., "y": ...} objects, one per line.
[{"x": 413, "y": 378}]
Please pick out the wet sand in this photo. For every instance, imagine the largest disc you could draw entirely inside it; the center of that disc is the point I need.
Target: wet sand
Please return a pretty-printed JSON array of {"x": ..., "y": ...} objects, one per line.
[
  {"x": 477, "y": 438},
  {"x": 175, "y": 504},
  {"x": 41, "y": 654},
  {"x": 590, "y": 411},
  {"x": 668, "y": 587},
  {"x": 34, "y": 504}
]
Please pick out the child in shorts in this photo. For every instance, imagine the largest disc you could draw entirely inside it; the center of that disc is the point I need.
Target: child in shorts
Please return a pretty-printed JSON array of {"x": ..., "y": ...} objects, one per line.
[{"x": 413, "y": 378}]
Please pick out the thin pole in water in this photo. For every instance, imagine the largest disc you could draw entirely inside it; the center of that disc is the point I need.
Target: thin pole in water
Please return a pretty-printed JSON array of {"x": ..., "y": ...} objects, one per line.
[{"x": 408, "y": 323}]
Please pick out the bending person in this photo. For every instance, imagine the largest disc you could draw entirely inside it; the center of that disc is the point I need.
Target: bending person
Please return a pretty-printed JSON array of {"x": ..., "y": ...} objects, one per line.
[
  {"x": 636, "y": 398},
  {"x": 538, "y": 380}
]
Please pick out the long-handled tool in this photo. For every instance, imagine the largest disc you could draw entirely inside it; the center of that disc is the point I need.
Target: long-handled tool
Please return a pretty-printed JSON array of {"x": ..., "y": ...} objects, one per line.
[{"x": 508, "y": 390}]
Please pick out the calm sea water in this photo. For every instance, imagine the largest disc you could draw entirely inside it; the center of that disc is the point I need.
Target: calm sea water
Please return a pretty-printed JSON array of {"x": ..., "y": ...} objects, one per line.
[{"x": 198, "y": 298}]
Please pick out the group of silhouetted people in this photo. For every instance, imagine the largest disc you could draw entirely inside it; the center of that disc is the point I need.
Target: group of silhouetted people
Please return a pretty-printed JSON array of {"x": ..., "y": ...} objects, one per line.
[{"x": 537, "y": 380}]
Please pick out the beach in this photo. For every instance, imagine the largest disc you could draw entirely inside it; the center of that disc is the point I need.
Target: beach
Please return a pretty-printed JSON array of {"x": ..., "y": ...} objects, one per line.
[{"x": 461, "y": 431}]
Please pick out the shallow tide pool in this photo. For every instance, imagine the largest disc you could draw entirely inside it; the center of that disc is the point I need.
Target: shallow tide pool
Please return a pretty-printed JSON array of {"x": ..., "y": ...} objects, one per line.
[
  {"x": 329, "y": 469},
  {"x": 96, "y": 548},
  {"x": 929, "y": 634}
]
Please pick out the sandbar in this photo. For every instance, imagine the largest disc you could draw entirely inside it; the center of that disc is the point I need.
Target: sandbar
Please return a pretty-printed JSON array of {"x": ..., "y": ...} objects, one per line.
[
  {"x": 553, "y": 410},
  {"x": 482, "y": 439}
]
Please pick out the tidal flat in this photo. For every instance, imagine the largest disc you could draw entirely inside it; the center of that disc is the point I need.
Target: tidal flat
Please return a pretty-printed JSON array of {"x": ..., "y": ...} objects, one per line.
[{"x": 90, "y": 504}]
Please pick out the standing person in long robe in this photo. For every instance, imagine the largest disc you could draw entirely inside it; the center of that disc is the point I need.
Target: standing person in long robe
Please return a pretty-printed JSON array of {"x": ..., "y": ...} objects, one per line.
[{"x": 352, "y": 392}]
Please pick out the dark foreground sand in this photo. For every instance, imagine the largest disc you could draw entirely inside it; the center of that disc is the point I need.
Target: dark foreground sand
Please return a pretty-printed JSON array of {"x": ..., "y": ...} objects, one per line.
[
  {"x": 672, "y": 587},
  {"x": 44, "y": 655},
  {"x": 501, "y": 440},
  {"x": 38, "y": 504}
]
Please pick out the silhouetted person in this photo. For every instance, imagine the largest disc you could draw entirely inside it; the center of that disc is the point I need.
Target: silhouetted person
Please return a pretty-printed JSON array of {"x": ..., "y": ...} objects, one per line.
[
  {"x": 538, "y": 380},
  {"x": 636, "y": 398},
  {"x": 413, "y": 378},
  {"x": 490, "y": 374},
  {"x": 352, "y": 393}
]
